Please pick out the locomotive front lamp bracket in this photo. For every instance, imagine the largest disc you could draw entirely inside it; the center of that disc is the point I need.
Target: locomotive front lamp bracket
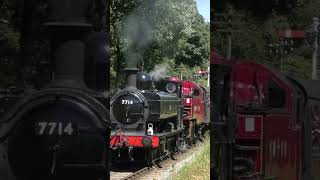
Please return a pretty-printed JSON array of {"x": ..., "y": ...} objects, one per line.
[{"x": 150, "y": 129}]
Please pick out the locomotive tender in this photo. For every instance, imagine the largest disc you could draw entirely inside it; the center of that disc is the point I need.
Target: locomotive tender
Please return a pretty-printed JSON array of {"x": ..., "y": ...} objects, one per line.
[
  {"x": 59, "y": 132},
  {"x": 264, "y": 124}
]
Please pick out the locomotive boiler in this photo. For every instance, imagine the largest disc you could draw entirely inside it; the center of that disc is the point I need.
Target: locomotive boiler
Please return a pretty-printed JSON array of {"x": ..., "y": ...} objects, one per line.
[
  {"x": 145, "y": 120},
  {"x": 150, "y": 106},
  {"x": 60, "y": 132}
]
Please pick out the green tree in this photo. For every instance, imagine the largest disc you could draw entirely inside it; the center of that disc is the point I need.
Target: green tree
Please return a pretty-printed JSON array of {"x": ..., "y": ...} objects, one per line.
[
  {"x": 168, "y": 32},
  {"x": 24, "y": 54},
  {"x": 257, "y": 31}
]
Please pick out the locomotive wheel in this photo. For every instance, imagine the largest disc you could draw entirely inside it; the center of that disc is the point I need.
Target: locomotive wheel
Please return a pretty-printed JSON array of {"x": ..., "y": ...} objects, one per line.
[
  {"x": 181, "y": 144},
  {"x": 200, "y": 133},
  {"x": 194, "y": 140}
]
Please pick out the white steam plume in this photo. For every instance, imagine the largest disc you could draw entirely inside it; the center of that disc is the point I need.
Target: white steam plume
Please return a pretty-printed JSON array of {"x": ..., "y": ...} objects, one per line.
[{"x": 159, "y": 72}]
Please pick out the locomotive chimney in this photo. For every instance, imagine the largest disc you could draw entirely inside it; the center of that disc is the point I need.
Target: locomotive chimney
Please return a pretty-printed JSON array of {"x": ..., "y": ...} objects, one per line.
[
  {"x": 132, "y": 77},
  {"x": 66, "y": 28}
]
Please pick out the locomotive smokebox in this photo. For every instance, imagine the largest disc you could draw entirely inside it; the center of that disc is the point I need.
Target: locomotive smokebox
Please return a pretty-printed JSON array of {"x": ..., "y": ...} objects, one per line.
[
  {"x": 132, "y": 77},
  {"x": 68, "y": 12}
]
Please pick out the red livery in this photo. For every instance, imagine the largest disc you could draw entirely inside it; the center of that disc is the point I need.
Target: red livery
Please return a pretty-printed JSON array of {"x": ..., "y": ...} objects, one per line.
[
  {"x": 134, "y": 141},
  {"x": 194, "y": 106},
  {"x": 262, "y": 123}
]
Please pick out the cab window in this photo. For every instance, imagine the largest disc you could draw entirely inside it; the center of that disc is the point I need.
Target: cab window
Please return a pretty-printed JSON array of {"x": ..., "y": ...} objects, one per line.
[
  {"x": 276, "y": 95},
  {"x": 196, "y": 92}
]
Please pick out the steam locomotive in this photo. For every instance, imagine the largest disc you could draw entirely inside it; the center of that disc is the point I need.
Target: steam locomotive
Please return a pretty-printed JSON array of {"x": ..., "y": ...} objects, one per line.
[
  {"x": 146, "y": 122},
  {"x": 264, "y": 124},
  {"x": 59, "y": 132},
  {"x": 150, "y": 120}
]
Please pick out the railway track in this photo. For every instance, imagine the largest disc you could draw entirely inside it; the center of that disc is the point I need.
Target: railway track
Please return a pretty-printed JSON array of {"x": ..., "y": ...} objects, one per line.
[
  {"x": 127, "y": 175},
  {"x": 168, "y": 169}
]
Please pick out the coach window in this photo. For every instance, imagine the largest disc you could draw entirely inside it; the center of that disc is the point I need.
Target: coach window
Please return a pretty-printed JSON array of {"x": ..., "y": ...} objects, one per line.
[
  {"x": 196, "y": 92},
  {"x": 276, "y": 95}
]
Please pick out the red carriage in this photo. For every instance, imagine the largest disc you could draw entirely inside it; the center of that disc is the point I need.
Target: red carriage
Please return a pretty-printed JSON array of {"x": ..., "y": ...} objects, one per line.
[
  {"x": 262, "y": 123},
  {"x": 195, "y": 105},
  {"x": 194, "y": 108}
]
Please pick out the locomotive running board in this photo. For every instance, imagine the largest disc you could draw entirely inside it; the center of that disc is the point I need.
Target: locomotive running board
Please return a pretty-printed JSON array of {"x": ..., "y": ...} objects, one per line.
[{"x": 164, "y": 135}]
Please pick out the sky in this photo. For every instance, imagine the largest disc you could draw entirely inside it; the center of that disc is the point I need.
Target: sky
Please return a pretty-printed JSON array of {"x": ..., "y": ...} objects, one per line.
[{"x": 204, "y": 9}]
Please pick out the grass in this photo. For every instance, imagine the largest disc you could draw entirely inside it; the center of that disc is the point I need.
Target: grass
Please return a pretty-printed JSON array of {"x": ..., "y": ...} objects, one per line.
[{"x": 199, "y": 169}]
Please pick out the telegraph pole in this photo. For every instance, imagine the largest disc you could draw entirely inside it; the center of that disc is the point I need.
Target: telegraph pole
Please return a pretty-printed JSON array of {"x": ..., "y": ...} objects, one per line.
[
  {"x": 227, "y": 23},
  {"x": 315, "y": 52},
  {"x": 281, "y": 56},
  {"x": 229, "y": 35}
]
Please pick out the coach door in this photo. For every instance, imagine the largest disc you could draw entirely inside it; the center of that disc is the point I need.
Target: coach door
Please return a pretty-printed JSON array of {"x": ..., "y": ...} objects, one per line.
[{"x": 280, "y": 136}]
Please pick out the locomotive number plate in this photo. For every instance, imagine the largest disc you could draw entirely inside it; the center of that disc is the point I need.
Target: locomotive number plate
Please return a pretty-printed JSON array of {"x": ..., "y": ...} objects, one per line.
[
  {"x": 54, "y": 128},
  {"x": 127, "y": 102}
]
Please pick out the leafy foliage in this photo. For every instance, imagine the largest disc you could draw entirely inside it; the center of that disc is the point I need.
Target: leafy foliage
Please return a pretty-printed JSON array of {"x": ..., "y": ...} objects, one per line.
[
  {"x": 24, "y": 54},
  {"x": 149, "y": 33},
  {"x": 176, "y": 36},
  {"x": 255, "y": 32}
]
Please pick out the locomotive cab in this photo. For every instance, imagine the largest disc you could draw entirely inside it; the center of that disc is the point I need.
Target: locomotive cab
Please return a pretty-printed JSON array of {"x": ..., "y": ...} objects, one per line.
[{"x": 170, "y": 85}]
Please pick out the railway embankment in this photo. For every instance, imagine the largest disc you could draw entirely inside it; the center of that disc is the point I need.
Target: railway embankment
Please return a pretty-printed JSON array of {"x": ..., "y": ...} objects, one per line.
[
  {"x": 199, "y": 167},
  {"x": 185, "y": 165}
]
